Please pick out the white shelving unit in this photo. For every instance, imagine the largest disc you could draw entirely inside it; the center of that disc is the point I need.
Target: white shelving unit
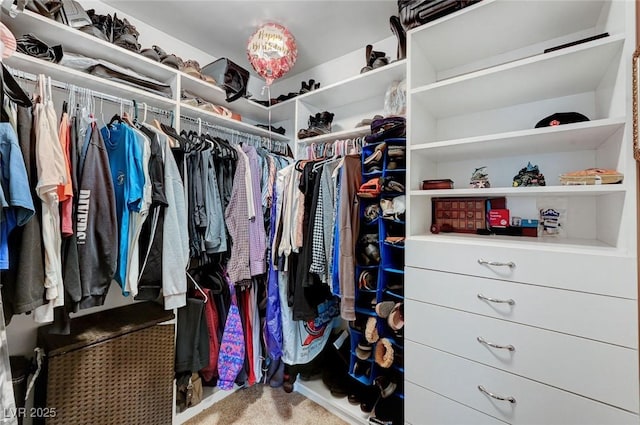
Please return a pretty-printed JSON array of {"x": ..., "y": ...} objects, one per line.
[
  {"x": 474, "y": 101},
  {"x": 351, "y": 100}
]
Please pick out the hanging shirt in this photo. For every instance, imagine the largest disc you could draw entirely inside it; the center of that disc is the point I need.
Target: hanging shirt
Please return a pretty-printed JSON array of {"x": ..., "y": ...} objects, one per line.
[
  {"x": 96, "y": 221},
  {"x": 17, "y": 203},
  {"x": 51, "y": 177},
  {"x": 215, "y": 237},
  {"x": 23, "y": 283},
  {"x": 125, "y": 162},
  {"x": 137, "y": 218},
  {"x": 257, "y": 237},
  {"x": 65, "y": 193},
  {"x": 349, "y": 222},
  {"x": 238, "y": 224}
]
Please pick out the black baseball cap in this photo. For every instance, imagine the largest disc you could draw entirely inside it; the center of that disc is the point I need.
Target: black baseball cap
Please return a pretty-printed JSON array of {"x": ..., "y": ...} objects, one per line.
[{"x": 560, "y": 118}]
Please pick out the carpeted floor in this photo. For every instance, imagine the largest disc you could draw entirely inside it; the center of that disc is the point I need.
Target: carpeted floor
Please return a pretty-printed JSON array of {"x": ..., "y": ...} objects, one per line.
[{"x": 263, "y": 405}]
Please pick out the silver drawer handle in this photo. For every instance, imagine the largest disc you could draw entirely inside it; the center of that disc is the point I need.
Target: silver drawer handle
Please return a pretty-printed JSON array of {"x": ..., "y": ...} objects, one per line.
[
  {"x": 509, "y": 347},
  {"x": 497, "y": 397},
  {"x": 510, "y": 264},
  {"x": 494, "y": 300}
]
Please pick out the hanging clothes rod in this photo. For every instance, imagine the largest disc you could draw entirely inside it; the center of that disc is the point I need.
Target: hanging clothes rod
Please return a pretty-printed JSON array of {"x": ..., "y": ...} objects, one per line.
[
  {"x": 220, "y": 128},
  {"x": 72, "y": 87}
]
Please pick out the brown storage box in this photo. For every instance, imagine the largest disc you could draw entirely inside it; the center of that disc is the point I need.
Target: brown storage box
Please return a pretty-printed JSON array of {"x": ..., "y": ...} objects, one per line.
[{"x": 116, "y": 368}]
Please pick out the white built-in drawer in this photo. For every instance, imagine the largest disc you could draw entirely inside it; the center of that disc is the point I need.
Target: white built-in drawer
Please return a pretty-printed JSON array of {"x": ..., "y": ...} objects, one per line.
[
  {"x": 424, "y": 407},
  {"x": 535, "y": 403},
  {"x": 580, "y": 271},
  {"x": 603, "y": 318},
  {"x": 604, "y": 372}
]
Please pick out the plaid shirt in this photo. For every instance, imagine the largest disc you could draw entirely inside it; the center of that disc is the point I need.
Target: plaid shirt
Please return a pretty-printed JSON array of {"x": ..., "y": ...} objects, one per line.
[
  {"x": 257, "y": 238},
  {"x": 236, "y": 216}
]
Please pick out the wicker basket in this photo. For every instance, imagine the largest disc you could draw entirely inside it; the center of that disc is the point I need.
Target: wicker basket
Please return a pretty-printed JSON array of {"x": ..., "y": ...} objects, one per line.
[{"x": 116, "y": 368}]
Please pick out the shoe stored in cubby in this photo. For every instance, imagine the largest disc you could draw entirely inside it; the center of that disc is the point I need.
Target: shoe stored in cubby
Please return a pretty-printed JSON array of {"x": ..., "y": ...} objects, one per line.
[
  {"x": 395, "y": 158},
  {"x": 367, "y": 279}
]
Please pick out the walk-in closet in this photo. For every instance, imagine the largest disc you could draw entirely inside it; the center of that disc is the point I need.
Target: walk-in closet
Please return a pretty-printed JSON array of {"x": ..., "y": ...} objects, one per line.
[{"x": 211, "y": 211}]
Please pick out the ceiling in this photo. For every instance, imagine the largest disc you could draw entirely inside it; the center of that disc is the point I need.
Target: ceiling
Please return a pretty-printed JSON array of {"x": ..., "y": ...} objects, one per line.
[{"x": 323, "y": 29}]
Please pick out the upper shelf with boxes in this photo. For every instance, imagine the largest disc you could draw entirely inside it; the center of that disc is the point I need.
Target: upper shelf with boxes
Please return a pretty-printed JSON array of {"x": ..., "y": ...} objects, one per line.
[
  {"x": 106, "y": 56},
  {"x": 540, "y": 119}
]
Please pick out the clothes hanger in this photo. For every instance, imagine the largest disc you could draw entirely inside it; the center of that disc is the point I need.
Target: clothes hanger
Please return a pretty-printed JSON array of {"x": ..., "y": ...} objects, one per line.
[{"x": 206, "y": 299}]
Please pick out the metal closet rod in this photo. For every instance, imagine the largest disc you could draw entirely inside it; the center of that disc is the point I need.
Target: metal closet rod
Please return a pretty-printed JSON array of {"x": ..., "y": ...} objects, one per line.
[
  {"x": 220, "y": 128},
  {"x": 72, "y": 87}
]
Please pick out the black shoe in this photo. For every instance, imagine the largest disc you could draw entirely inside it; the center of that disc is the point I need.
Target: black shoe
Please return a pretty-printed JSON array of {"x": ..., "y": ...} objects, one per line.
[{"x": 398, "y": 31}]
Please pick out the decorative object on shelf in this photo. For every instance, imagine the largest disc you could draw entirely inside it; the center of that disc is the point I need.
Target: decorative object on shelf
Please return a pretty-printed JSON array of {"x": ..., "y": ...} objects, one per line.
[
  {"x": 462, "y": 215},
  {"x": 591, "y": 176},
  {"x": 414, "y": 13},
  {"x": 395, "y": 99},
  {"x": 386, "y": 128},
  {"x": 229, "y": 76},
  {"x": 272, "y": 51},
  {"x": 560, "y": 118},
  {"x": 319, "y": 124},
  {"x": 434, "y": 184},
  {"x": 529, "y": 176},
  {"x": 480, "y": 178},
  {"x": 374, "y": 59},
  {"x": 551, "y": 221},
  {"x": 498, "y": 217}
]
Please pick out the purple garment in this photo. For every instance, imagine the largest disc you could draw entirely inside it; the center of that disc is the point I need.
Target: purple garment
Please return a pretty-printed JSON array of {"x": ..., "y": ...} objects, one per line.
[
  {"x": 231, "y": 356},
  {"x": 273, "y": 324},
  {"x": 257, "y": 237}
]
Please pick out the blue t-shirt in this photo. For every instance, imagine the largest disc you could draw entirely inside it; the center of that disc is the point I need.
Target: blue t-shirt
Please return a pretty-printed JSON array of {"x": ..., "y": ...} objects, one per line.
[
  {"x": 17, "y": 202},
  {"x": 125, "y": 161}
]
